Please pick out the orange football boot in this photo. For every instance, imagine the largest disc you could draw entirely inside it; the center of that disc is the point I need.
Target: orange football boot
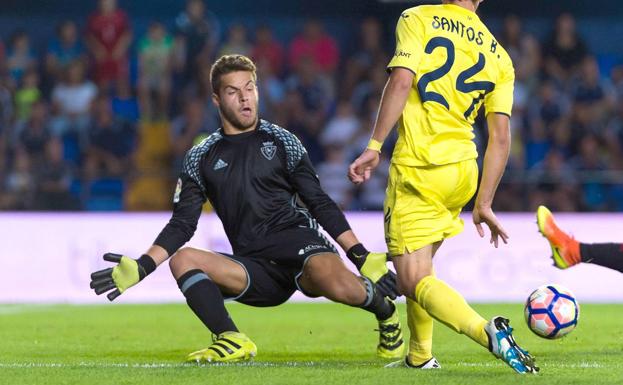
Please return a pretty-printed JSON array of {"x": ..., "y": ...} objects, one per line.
[{"x": 565, "y": 249}]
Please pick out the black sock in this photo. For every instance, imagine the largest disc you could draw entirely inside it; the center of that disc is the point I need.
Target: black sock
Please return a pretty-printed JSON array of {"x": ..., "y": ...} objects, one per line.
[
  {"x": 206, "y": 301},
  {"x": 375, "y": 303},
  {"x": 609, "y": 255}
]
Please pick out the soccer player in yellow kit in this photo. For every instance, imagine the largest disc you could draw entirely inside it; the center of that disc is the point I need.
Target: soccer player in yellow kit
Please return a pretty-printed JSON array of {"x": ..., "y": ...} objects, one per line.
[{"x": 446, "y": 66}]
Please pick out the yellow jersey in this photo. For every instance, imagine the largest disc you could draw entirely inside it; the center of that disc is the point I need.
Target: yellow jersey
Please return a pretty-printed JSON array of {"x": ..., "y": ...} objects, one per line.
[{"x": 458, "y": 66}]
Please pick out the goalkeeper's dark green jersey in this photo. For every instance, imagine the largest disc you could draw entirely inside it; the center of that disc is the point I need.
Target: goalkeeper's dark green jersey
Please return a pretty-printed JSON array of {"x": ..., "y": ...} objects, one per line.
[{"x": 254, "y": 181}]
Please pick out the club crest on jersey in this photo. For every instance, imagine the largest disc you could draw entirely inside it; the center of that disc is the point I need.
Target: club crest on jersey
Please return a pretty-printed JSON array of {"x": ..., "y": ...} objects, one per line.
[{"x": 269, "y": 150}]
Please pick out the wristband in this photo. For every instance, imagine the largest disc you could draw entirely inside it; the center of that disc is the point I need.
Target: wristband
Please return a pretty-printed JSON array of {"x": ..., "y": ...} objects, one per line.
[
  {"x": 375, "y": 145},
  {"x": 357, "y": 254},
  {"x": 147, "y": 264}
]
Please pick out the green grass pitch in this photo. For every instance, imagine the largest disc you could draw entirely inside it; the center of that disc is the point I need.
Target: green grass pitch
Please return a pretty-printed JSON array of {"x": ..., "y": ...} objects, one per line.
[{"x": 298, "y": 343}]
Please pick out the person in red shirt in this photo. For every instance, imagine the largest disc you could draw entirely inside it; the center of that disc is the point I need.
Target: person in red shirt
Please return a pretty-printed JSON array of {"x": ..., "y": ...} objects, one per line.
[
  {"x": 316, "y": 44},
  {"x": 267, "y": 49},
  {"x": 108, "y": 39}
]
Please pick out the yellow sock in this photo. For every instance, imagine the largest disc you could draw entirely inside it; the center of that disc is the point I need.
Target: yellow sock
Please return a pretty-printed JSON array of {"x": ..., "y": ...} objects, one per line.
[
  {"x": 447, "y": 306},
  {"x": 421, "y": 327}
]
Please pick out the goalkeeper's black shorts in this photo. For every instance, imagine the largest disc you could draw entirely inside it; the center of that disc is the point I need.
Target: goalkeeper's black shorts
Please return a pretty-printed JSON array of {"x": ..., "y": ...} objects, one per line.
[{"x": 274, "y": 267}]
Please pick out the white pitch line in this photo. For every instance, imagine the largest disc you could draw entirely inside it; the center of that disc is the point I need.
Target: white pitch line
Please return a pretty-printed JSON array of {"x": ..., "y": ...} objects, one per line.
[{"x": 50, "y": 365}]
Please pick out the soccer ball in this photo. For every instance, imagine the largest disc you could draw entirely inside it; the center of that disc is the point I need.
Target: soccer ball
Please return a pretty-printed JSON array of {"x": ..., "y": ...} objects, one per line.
[{"x": 551, "y": 311}]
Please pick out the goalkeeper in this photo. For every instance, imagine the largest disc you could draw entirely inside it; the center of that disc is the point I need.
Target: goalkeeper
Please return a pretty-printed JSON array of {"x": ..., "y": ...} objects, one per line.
[{"x": 256, "y": 175}]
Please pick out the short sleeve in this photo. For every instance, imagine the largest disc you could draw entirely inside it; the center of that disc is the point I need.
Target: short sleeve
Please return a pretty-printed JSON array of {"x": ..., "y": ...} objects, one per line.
[
  {"x": 409, "y": 41},
  {"x": 500, "y": 100}
]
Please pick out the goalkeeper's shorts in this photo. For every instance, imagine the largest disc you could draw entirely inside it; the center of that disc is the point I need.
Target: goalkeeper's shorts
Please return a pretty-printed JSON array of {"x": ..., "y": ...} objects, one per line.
[
  {"x": 275, "y": 264},
  {"x": 422, "y": 204}
]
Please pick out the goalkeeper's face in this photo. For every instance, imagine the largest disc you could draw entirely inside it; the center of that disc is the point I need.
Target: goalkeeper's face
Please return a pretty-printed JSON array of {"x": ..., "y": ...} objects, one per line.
[{"x": 237, "y": 99}]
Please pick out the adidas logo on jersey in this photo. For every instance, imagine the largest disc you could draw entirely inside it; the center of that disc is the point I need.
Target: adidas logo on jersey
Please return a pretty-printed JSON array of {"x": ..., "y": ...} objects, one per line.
[{"x": 220, "y": 164}]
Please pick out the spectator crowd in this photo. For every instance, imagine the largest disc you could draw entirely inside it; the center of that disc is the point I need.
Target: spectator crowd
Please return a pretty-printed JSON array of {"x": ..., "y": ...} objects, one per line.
[{"x": 102, "y": 118}]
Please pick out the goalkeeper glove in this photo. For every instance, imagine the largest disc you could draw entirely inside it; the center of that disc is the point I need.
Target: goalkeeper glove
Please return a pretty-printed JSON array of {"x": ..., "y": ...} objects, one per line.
[
  {"x": 126, "y": 274},
  {"x": 374, "y": 267}
]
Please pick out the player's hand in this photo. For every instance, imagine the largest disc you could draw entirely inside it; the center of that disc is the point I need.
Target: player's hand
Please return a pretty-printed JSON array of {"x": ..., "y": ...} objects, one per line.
[
  {"x": 486, "y": 215},
  {"x": 361, "y": 169},
  {"x": 120, "y": 278},
  {"x": 374, "y": 267}
]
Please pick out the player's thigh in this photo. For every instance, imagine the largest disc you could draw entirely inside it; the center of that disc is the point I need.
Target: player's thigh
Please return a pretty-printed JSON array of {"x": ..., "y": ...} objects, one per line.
[
  {"x": 326, "y": 275},
  {"x": 417, "y": 211},
  {"x": 225, "y": 272}
]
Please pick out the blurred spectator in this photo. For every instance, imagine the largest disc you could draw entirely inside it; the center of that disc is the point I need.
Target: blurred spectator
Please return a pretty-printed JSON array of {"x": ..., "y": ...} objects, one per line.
[
  {"x": 124, "y": 104},
  {"x": 53, "y": 179},
  {"x": 564, "y": 50},
  {"x": 590, "y": 159},
  {"x": 27, "y": 94},
  {"x": 272, "y": 93},
  {"x": 342, "y": 128},
  {"x": 64, "y": 49},
  {"x": 370, "y": 55},
  {"x": 155, "y": 52},
  {"x": 267, "y": 49},
  {"x": 308, "y": 100},
  {"x": 6, "y": 103},
  {"x": 34, "y": 133},
  {"x": 316, "y": 45},
  {"x": 331, "y": 176},
  {"x": 20, "y": 57},
  {"x": 111, "y": 141},
  {"x": 187, "y": 127},
  {"x": 19, "y": 184},
  {"x": 71, "y": 100},
  {"x": 237, "y": 42},
  {"x": 196, "y": 38},
  {"x": 369, "y": 87},
  {"x": 108, "y": 38},
  {"x": 591, "y": 92},
  {"x": 556, "y": 184}
]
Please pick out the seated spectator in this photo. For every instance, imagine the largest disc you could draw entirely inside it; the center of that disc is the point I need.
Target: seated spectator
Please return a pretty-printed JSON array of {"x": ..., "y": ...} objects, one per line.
[
  {"x": 111, "y": 141},
  {"x": 269, "y": 50},
  {"x": 237, "y": 42},
  {"x": 124, "y": 104},
  {"x": 272, "y": 93},
  {"x": 187, "y": 127},
  {"x": 27, "y": 94},
  {"x": 19, "y": 184},
  {"x": 590, "y": 159},
  {"x": 342, "y": 128},
  {"x": 331, "y": 176},
  {"x": 64, "y": 49},
  {"x": 108, "y": 38},
  {"x": 369, "y": 54},
  {"x": 20, "y": 57},
  {"x": 316, "y": 45},
  {"x": 591, "y": 92},
  {"x": 72, "y": 99},
  {"x": 155, "y": 52},
  {"x": 309, "y": 95},
  {"x": 565, "y": 49},
  {"x": 53, "y": 180},
  {"x": 33, "y": 134},
  {"x": 197, "y": 33}
]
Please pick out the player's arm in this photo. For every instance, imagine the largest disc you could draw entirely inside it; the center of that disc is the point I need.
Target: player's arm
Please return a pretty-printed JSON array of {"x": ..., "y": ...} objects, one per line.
[
  {"x": 498, "y": 106},
  {"x": 409, "y": 37},
  {"x": 331, "y": 218},
  {"x": 181, "y": 227},
  {"x": 496, "y": 156}
]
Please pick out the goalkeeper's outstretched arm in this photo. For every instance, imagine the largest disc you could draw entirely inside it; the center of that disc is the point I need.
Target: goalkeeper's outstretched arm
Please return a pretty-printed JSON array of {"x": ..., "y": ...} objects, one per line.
[{"x": 181, "y": 227}]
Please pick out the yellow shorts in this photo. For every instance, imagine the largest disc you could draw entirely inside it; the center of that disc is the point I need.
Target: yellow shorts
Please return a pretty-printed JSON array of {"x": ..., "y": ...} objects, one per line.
[{"x": 422, "y": 204}]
